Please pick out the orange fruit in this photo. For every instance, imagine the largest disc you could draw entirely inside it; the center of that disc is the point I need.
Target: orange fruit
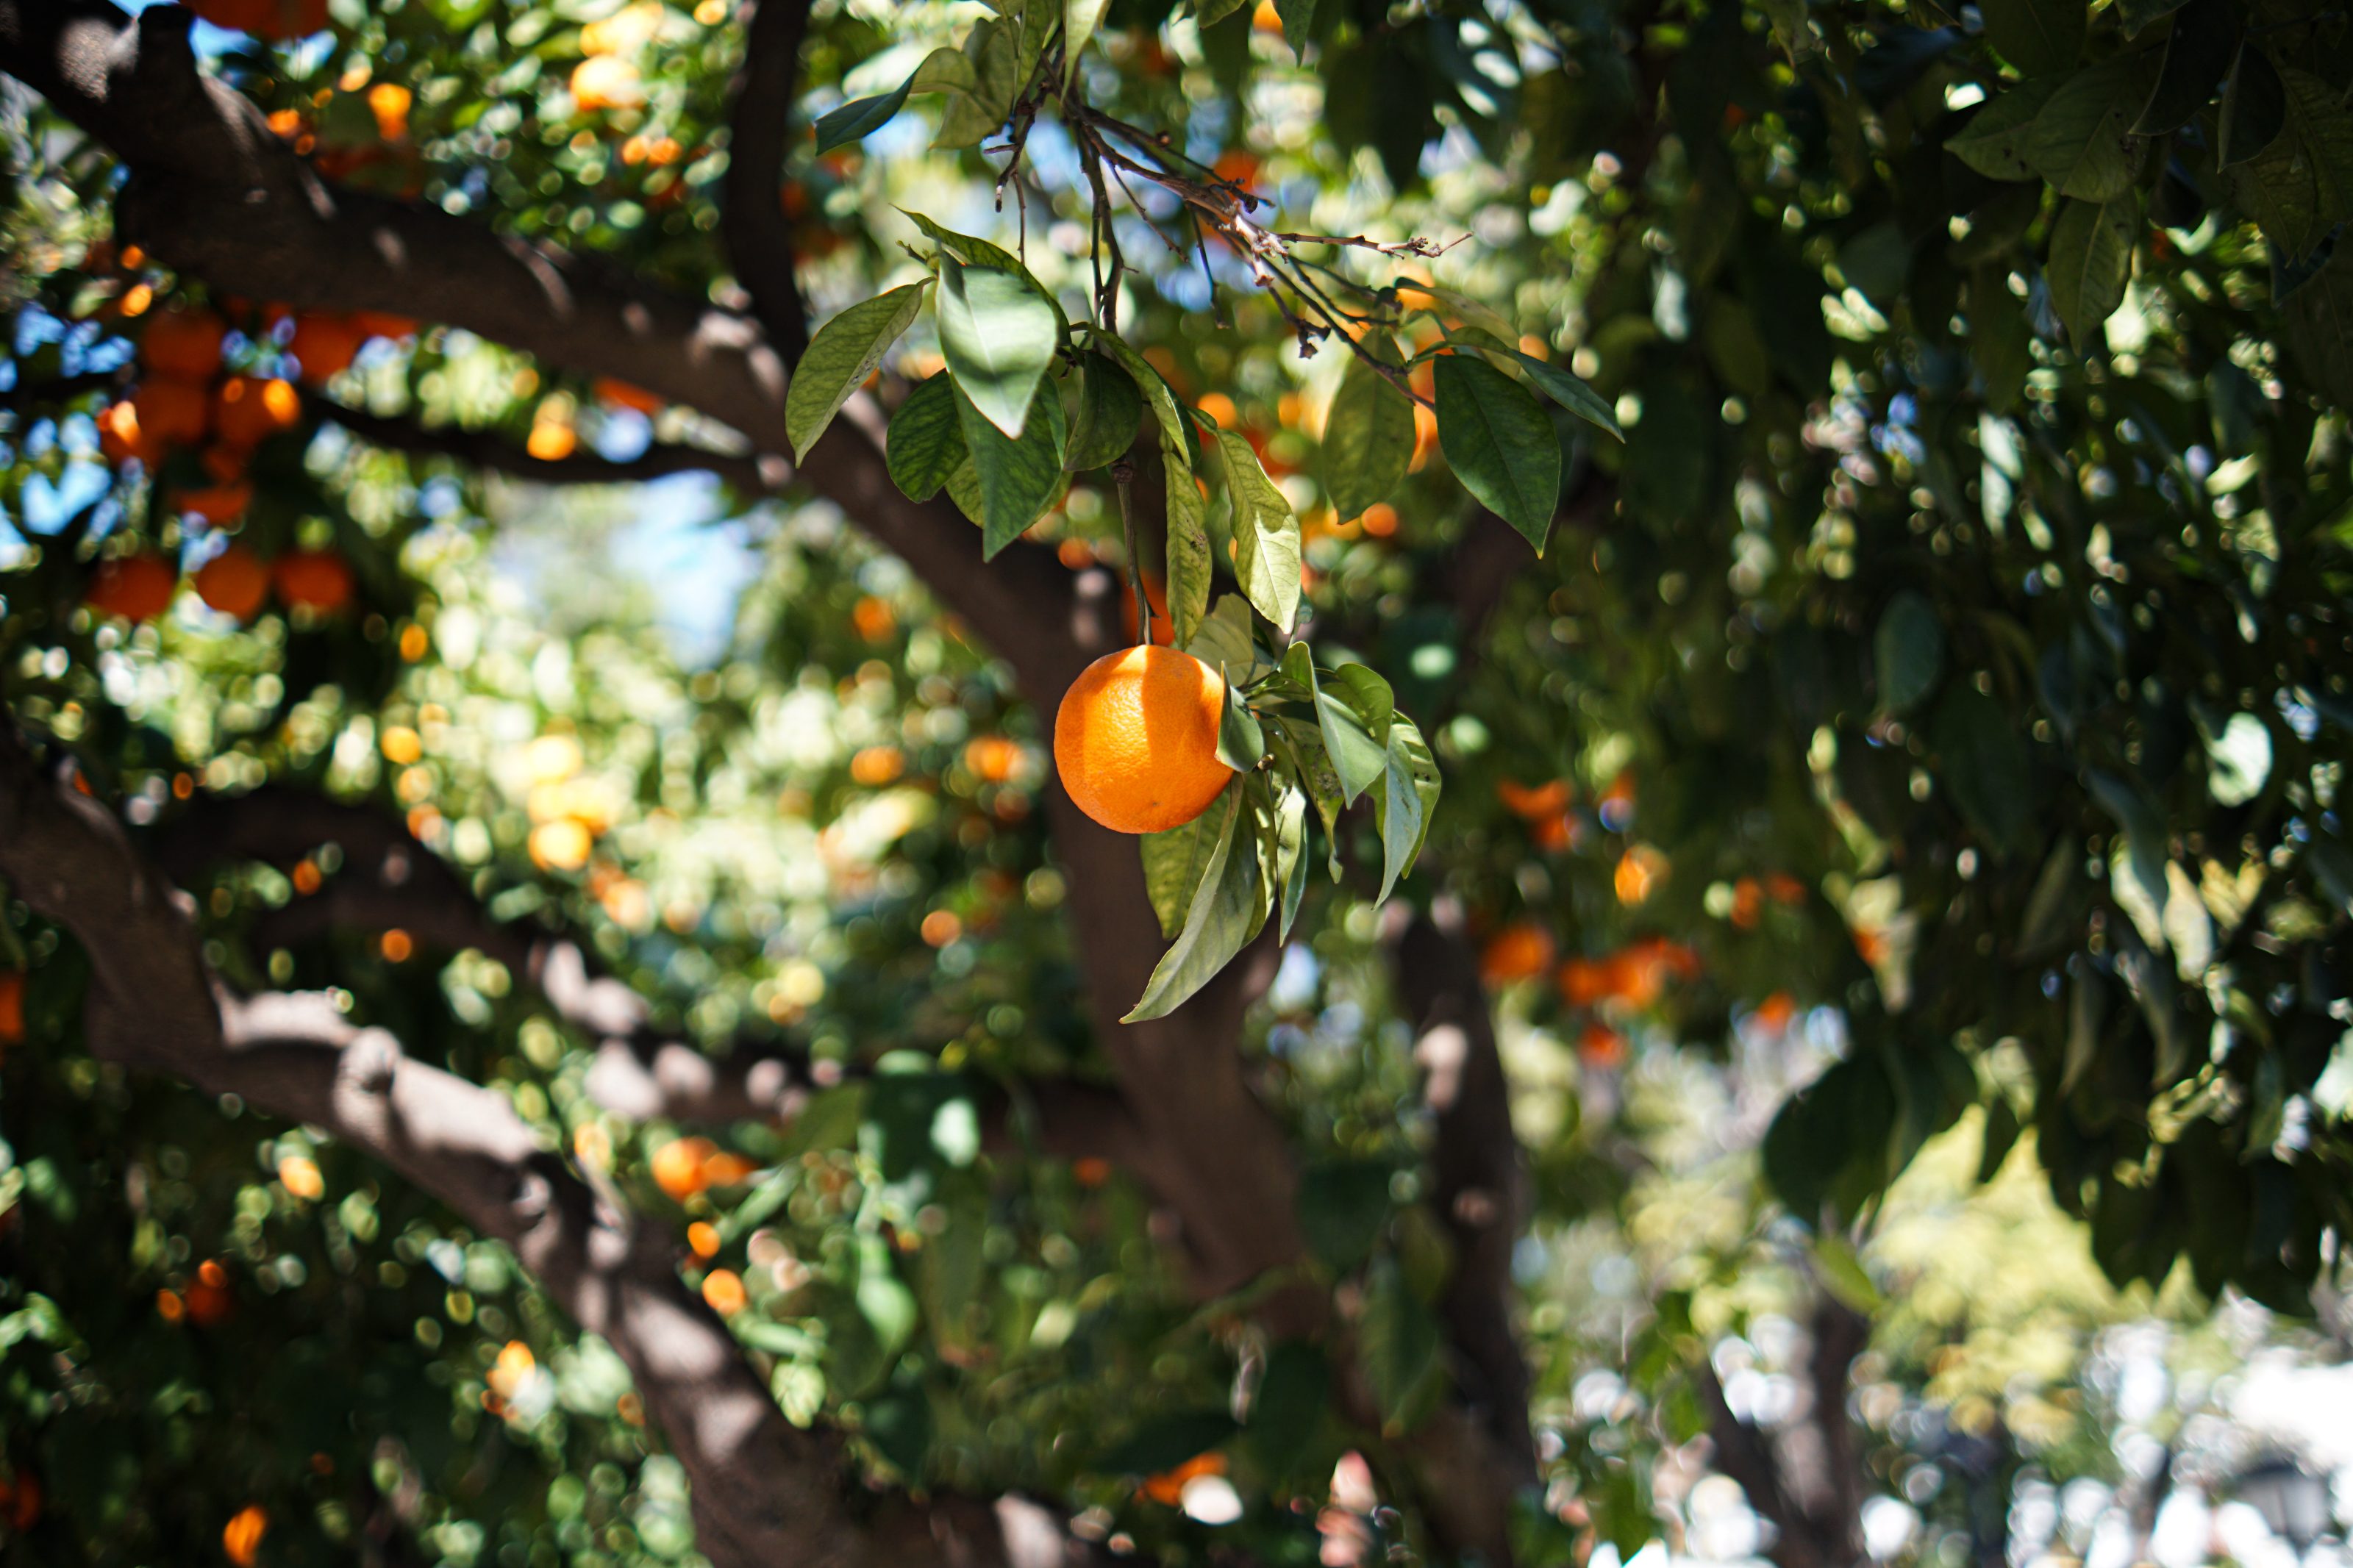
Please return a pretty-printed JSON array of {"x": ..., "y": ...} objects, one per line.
[
  {"x": 1519, "y": 952},
  {"x": 1533, "y": 801},
  {"x": 170, "y": 411},
  {"x": 622, "y": 395},
  {"x": 318, "y": 579},
  {"x": 325, "y": 345},
  {"x": 723, "y": 1288},
  {"x": 249, "y": 409},
  {"x": 220, "y": 505},
  {"x": 384, "y": 324},
  {"x": 12, "y": 1006},
  {"x": 606, "y": 81},
  {"x": 389, "y": 102},
  {"x": 135, "y": 587},
  {"x": 1136, "y": 740},
  {"x": 993, "y": 758},
  {"x": 1585, "y": 981},
  {"x": 22, "y": 1502},
  {"x": 235, "y": 582},
  {"x": 1601, "y": 1047},
  {"x": 121, "y": 439},
  {"x": 678, "y": 1166},
  {"x": 241, "y": 1536},
  {"x": 1168, "y": 1486},
  {"x": 184, "y": 344}
]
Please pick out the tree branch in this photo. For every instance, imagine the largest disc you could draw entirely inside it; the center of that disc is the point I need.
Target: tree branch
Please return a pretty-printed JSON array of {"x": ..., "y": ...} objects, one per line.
[
  {"x": 390, "y": 880},
  {"x": 759, "y": 234},
  {"x": 484, "y": 449},
  {"x": 765, "y": 1492},
  {"x": 211, "y": 190}
]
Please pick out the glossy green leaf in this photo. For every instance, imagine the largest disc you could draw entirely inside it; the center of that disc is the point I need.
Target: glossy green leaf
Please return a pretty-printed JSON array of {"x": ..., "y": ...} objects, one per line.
[
  {"x": 2254, "y": 107},
  {"x": 1018, "y": 477},
  {"x": 999, "y": 338},
  {"x": 1909, "y": 651},
  {"x": 1226, "y": 910},
  {"x": 2301, "y": 186},
  {"x": 1300, "y": 744},
  {"x": 1223, "y": 641},
  {"x": 1110, "y": 411},
  {"x": 1500, "y": 443},
  {"x": 1569, "y": 391},
  {"x": 1188, "y": 513},
  {"x": 1079, "y": 19},
  {"x": 2038, "y": 36},
  {"x": 1291, "y": 855},
  {"x": 2082, "y": 141},
  {"x": 1242, "y": 742},
  {"x": 1367, "y": 437},
  {"x": 1298, "y": 18},
  {"x": 972, "y": 115},
  {"x": 927, "y": 440},
  {"x": 842, "y": 354},
  {"x": 1173, "y": 862},
  {"x": 1265, "y": 532},
  {"x": 1995, "y": 143},
  {"x": 1982, "y": 761},
  {"x": 2091, "y": 263}
]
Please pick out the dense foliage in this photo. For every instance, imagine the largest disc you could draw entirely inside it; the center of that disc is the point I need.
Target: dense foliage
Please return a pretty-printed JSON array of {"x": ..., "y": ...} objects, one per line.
[{"x": 1848, "y": 498}]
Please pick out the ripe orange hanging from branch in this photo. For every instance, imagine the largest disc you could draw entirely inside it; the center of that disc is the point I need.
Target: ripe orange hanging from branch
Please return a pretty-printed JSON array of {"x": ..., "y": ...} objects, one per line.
[
  {"x": 249, "y": 409},
  {"x": 318, "y": 580},
  {"x": 1136, "y": 740},
  {"x": 324, "y": 345},
  {"x": 170, "y": 411},
  {"x": 184, "y": 344},
  {"x": 235, "y": 583},
  {"x": 135, "y": 587}
]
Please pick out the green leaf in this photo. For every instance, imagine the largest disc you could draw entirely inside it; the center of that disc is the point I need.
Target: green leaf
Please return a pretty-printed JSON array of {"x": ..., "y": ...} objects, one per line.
[
  {"x": 1298, "y": 23},
  {"x": 883, "y": 1298},
  {"x": 1399, "y": 1340},
  {"x": 1080, "y": 20},
  {"x": 1367, "y": 436},
  {"x": 1208, "y": 12},
  {"x": 1344, "y": 1205},
  {"x": 2000, "y": 337},
  {"x": 1406, "y": 764},
  {"x": 844, "y": 353},
  {"x": 995, "y": 51},
  {"x": 1109, "y": 409},
  {"x": 1188, "y": 522},
  {"x": 1292, "y": 1399},
  {"x": 1242, "y": 742},
  {"x": 1909, "y": 650},
  {"x": 1290, "y": 855},
  {"x": 899, "y": 1425},
  {"x": 2145, "y": 851},
  {"x": 2038, "y": 36},
  {"x": 1841, "y": 1272},
  {"x": 1984, "y": 765},
  {"x": 1173, "y": 862},
  {"x": 1300, "y": 746},
  {"x": 927, "y": 440},
  {"x": 861, "y": 117},
  {"x": 1359, "y": 757},
  {"x": 2300, "y": 186},
  {"x": 1570, "y": 392},
  {"x": 999, "y": 338},
  {"x": 2091, "y": 262},
  {"x": 1224, "y": 642},
  {"x": 1994, "y": 142},
  {"x": 2082, "y": 141},
  {"x": 2203, "y": 37},
  {"x": 2254, "y": 107},
  {"x": 943, "y": 70},
  {"x": 1266, "y": 534},
  {"x": 968, "y": 248},
  {"x": 1226, "y": 910},
  {"x": 1500, "y": 443},
  {"x": 1018, "y": 478}
]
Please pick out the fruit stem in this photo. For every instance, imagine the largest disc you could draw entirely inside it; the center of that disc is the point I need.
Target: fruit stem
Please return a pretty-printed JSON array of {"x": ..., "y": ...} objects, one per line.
[{"x": 1122, "y": 474}]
